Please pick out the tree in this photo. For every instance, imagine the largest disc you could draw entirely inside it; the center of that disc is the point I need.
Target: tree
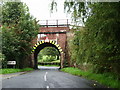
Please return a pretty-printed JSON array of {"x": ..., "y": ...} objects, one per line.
[
  {"x": 98, "y": 43},
  {"x": 51, "y": 52},
  {"x": 79, "y": 10},
  {"x": 18, "y": 29},
  {"x": 103, "y": 30}
]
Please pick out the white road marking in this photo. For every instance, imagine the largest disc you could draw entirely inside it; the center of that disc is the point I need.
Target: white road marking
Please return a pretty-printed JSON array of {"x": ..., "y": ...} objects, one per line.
[
  {"x": 45, "y": 76},
  {"x": 47, "y": 87}
]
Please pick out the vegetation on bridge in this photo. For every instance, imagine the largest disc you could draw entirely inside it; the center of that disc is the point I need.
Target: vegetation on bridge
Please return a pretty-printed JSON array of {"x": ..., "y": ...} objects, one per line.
[{"x": 18, "y": 30}]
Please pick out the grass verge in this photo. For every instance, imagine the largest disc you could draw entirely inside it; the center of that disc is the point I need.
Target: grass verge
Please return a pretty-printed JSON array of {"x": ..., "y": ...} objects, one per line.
[
  {"x": 11, "y": 70},
  {"x": 58, "y": 61},
  {"x": 104, "y": 79},
  {"x": 50, "y": 65}
]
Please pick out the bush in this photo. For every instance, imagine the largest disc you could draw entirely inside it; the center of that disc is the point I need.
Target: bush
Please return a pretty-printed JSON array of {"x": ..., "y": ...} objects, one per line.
[{"x": 3, "y": 62}]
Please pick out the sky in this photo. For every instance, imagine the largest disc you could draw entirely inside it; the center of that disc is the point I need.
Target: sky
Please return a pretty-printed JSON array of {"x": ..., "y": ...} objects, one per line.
[{"x": 40, "y": 9}]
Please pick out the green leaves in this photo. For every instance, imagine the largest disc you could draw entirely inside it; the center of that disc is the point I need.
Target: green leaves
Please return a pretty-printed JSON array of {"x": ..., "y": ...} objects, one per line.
[
  {"x": 49, "y": 51},
  {"x": 48, "y": 54},
  {"x": 99, "y": 43},
  {"x": 76, "y": 8},
  {"x": 19, "y": 29}
]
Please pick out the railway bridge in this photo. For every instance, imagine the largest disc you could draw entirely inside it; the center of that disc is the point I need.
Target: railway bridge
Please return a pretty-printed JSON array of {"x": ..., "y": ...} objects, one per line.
[{"x": 52, "y": 33}]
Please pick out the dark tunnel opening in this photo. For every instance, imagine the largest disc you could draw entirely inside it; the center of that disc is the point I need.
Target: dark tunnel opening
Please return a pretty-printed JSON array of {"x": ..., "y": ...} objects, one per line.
[{"x": 41, "y": 47}]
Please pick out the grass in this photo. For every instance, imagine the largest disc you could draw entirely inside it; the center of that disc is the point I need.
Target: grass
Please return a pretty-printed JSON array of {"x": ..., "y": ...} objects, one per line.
[
  {"x": 106, "y": 79},
  {"x": 57, "y": 61},
  {"x": 11, "y": 70},
  {"x": 50, "y": 65}
]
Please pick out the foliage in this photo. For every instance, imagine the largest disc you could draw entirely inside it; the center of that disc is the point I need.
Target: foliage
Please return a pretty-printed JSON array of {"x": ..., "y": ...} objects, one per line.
[
  {"x": 50, "y": 65},
  {"x": 56, "y": 61},
  {"x": 48, "y": 54},
  {"x": 79, "y": 10},
  {"x": 7, "y": 71},
  {"x": 107, "y": 79},
  {"x": 3, "y": 63},
  {"x": 104, "y": 33},
  {"x": 18, "y": 30},
  {"x": 26, "y": 69},
  {"x": 49, "y": 51},
  {"x": 98, "y": 42},
  {"x": 46, "y": 58}
]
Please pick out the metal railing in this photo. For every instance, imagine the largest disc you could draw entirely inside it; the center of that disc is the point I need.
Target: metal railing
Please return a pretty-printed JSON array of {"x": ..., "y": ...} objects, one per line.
[{"x": 55, "y": 23}]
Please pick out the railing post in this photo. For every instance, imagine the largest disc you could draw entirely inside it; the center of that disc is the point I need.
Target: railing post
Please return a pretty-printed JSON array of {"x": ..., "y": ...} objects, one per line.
[
  {"x": 67, "y": 23},
  {"x": 47, "y": 23},
  {"x": 57, "y": 22}
]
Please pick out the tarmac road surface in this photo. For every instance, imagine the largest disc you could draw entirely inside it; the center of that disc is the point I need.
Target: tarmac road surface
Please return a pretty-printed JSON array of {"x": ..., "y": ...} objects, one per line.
[{"x": 48, "y": 77}]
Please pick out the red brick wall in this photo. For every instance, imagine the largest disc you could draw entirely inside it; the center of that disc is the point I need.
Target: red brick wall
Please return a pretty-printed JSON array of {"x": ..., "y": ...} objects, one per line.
[
  {"x": 61, "y": 38},
  {"x": 62, "y": 41},
  {"x": 53, "y": 29},
  {"x": 50, "y": 36},
  {"x": 34, "y": 41}
]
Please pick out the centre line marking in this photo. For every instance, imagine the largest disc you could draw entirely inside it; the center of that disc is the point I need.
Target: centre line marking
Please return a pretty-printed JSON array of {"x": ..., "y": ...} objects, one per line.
[{"x": 45, "y": 76}]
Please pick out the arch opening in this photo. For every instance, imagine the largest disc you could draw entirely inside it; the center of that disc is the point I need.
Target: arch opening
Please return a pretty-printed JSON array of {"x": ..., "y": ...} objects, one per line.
[
  {"x": 48, "y": 58},
  {"x": 40, "y": 46}
]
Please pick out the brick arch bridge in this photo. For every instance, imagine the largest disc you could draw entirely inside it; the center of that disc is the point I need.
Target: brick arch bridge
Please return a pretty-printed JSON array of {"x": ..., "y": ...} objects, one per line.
[{"x": 52, "y": 36}]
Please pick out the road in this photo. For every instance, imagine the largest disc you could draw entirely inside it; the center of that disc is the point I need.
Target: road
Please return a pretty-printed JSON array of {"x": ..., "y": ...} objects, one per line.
[{"x": 47, "y": 77}]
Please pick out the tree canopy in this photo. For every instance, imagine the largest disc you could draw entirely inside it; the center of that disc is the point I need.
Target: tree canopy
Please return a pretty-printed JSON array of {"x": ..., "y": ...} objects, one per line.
[
  {"x": 98, "y": 42},
  {"x": 51, "y": 52},
  {"x": 18, "y": 30}
]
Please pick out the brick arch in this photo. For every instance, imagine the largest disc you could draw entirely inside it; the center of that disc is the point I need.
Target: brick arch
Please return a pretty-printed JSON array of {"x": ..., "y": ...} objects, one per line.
[
  {"x": 42, "y": 44},
  {"x": 57, "y": 46}
]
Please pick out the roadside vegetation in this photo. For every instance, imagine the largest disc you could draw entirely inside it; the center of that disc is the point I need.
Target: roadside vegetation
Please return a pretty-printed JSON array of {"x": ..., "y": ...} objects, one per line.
[
  {"x": 106, "y": 79},
  {"x": 12, "y": 70},
  {"x": 95, "y": 45},
  {"x": 19, "y": 28},
  {"x": 50, "y": 65},
  {"x": 56, "y": 61}
]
